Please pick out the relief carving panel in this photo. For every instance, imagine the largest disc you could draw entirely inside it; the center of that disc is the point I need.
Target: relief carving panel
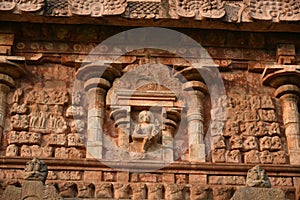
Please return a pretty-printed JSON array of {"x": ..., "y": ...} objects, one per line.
[
  {"x": 246, "y": 129},
  {"x": 39, "y": 127}
]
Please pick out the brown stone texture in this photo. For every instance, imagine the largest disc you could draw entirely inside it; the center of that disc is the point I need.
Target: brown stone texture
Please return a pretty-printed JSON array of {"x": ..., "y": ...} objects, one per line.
[
  {"x": 143, "y": 115},
  {"x": 258, "y": 193}
]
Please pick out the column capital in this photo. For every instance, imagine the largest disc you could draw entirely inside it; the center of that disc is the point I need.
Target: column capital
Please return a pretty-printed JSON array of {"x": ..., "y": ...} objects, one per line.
[
  {"x": 287, "y": 89},
  {"x": 7, "y": 80},
  {"x": 97, "y": 83},
  {"x": 97, "y": 70},
  {"x": 196, "y": 86},
  {"x": 277, "y": 75}
]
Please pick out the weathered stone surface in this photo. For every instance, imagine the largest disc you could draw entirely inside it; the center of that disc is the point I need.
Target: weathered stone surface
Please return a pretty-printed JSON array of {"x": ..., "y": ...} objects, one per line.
[{"x": 258, "y": 193}]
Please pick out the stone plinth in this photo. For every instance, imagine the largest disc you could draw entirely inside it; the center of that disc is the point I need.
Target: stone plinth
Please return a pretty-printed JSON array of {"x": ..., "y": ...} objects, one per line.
[{"x": 251, "y": 193}]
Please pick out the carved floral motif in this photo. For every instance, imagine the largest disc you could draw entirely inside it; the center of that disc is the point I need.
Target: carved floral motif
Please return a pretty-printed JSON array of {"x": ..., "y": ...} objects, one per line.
[
  {"x": 97, "y": 8},
  {"x": 274, "y": 10},
  {"x": 199, "y": 8}
]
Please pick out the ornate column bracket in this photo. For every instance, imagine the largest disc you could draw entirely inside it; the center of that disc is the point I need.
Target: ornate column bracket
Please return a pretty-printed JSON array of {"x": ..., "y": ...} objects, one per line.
[
  {"x": 286, "y": 79},
  {"x": 196, "y": 92},
  {"x": 97, "y": 78}
]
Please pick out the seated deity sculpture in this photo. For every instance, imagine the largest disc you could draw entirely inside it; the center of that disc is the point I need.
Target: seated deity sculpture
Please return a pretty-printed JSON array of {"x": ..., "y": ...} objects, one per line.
[
  {"x": 257, "y": 177},
  {"x": 145, "y": 131}
]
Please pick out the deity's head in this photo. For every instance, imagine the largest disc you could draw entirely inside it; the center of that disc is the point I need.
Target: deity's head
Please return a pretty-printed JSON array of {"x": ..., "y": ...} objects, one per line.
[{"x": 145, "y": 116}]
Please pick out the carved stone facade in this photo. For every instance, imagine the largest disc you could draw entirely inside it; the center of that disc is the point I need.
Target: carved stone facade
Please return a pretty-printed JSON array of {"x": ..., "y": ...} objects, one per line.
[{"x": 117, "y": 112}]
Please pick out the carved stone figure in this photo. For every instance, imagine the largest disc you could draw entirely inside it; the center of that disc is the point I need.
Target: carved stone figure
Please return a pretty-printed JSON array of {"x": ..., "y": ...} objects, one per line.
[
  {"x": 12, "y": 150},
  {"x": 13, "y": 137},
  {"x": 252, "y": 156},
  {"x": 19, "y": 122},
  {"x": 36, "y": 151},
  {"x": 57, "y": 139},
  {"x": 220, "y": 144},
  {"x": 25, "y": 151},
  {"x": 85, "y": 190},
  {"x": 67, "y": 189},
  {"x": 265, "y": 143},
  {"x": 233, "y": 156},
  {"x": 174, "y": 192},
  {"x": 279, "y": 157},
  {"x": 222, "y": 193},
  {"x": 145, "y": 133},
  {"x": 250, "y": 143},
  {"x": 138, "y": 191},
  {"x": 121, "y": 190},
  {"x": 257, "y": 177},
  {"x": 200, "y": 192},
  {"x": 155, "y": 191},
  {"x": 236, "y": 142},
  {"x": 218, "y": 155},
  {"x": 266, "y": 157},
  {"x": 276, "y": 143},
  {"x": 36, "y": 170},
  {"x": 103, "y": 190},
  {"x": 232, "y": 128},
  {"x": 75, "y": 140},
  {"x": 274, "y": 129}
]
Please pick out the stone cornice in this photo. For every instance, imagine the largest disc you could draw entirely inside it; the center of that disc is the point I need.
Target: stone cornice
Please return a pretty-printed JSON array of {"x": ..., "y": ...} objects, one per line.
[
  {"x": 93, "y": 164},
  {"x": 219, "y": 10}
]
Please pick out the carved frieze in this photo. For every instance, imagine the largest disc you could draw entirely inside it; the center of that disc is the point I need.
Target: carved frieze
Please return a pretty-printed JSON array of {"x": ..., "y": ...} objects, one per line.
[
  {"x": 251, "y": 130},
  {"x": 274, "y": 10},
  {"x": 198, "y": 8},
  {"x": 141, "y": 9},
  {"x": 97, "y": 8},
  {"x": 22, "y": 5}
]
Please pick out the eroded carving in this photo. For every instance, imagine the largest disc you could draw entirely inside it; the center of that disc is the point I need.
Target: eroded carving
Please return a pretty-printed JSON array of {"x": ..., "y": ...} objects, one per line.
[
  {"x": 121, "y": 190},
  {"x": 12, "y": 150},
  {"x": 257, "y": 177},
  {"x": 252, "y": 156},
  {"x": 200, "y": 192},
  {"x": 139, "y": 10},
  {"x": 104, "y": 190},
  {"x": 36, "y": 170},
  {"x": 146, "y": 132},
  {"x": 155, "y": 191},
  {"x": 200, "y": 9},
  {"x": 275, "y": 10},
  {"x": 96, "y": 8}
]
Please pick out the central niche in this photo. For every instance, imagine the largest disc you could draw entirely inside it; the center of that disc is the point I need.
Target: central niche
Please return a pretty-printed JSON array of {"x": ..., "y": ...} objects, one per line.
[{"x": 145, "y": 105}]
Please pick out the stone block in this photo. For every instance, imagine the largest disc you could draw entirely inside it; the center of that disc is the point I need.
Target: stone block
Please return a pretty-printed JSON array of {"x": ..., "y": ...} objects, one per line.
[
  {"x": 198, "y": 178},
  {"x": 250, "y": 193}
]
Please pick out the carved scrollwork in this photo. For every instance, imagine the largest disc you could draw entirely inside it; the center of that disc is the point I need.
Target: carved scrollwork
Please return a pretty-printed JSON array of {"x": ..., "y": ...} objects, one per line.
[
  {"x": 274, "y": 10},
  {"x": 145, "y": 10},
  {"x": 30, "y": 5},
  {"x": 200, "y": 8},
  {"x": 97, "y": 8},
  {"x": 7, "y": 5}
]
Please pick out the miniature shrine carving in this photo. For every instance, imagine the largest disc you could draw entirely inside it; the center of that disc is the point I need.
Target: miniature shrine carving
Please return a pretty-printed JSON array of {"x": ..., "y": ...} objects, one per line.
[{"x": 257, "y": 177}]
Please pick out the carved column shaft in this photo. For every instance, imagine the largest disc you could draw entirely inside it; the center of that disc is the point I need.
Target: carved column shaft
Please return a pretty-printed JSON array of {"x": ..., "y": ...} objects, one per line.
[
  {"x": 289, "y": 101},
  {"x": 167, "y": 141},
  {"x": 196, "y": 93},
  {"x": 7, "y": 82},
  {"x": 96, "y": 99}
]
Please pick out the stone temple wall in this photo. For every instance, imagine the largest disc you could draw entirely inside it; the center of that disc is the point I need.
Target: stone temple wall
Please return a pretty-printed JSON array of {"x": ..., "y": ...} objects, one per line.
[{"x": 124, "y": 117}]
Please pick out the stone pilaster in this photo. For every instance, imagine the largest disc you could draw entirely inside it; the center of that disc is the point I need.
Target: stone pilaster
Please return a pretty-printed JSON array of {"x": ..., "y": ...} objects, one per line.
[
  {"x": 171, "y": 120},
  {"x": 289, "y": 98},
  {"x": 96, "y": 79},
  {"x": 121, "y": 116},
  {"x": 9, "y": 71},
  {"x": 285, "y": 78},
  {"x": 6, "y": 83},
  {"x": 196, "y": 91}
]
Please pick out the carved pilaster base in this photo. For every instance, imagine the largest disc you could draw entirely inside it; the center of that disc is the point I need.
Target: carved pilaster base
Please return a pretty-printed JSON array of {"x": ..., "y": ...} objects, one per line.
[
  {"x": 197, "y": 152},
  {"x": 294, "y": 156},
  {"x": 94, "y": 149},
  {"x": 168, "y": 154}
]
